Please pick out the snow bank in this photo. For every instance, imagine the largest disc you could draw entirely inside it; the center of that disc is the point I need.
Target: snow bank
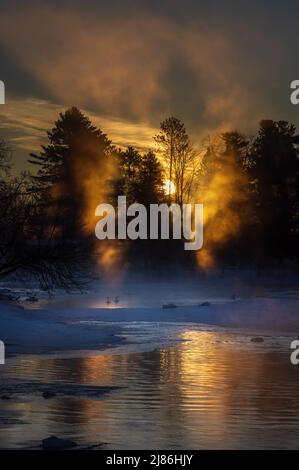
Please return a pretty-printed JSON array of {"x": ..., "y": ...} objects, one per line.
[{"x": 49, "y": 330}]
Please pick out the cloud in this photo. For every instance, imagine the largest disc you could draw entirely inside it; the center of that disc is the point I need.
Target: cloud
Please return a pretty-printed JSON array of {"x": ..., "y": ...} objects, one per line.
[
  {"x": 25, "y": 122},
  {"x": 130, "y": 71}
]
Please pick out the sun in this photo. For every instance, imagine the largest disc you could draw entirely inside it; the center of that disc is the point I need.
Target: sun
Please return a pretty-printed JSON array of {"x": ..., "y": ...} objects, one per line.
[{"x": 169, "y": 187}]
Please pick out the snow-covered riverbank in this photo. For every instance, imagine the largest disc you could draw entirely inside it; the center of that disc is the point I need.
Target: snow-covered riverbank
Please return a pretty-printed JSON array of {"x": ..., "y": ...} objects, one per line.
[
  {"x": 67, "y": 329},
  {"x": 101, "y": 369}
]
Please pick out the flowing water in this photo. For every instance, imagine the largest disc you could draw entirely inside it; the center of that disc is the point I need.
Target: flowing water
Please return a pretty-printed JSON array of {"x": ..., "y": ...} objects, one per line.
[{"x": 211, "y": 388}]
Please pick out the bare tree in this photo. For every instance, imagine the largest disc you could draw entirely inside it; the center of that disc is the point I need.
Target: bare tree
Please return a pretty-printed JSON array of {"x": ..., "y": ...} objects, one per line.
[
  {"x": 179, "y": 156},
  {"x": 28, "y": 246}
]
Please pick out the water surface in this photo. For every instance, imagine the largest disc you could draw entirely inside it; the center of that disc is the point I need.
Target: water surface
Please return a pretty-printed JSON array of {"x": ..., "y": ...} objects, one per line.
[{"x": 211, "y": 388}]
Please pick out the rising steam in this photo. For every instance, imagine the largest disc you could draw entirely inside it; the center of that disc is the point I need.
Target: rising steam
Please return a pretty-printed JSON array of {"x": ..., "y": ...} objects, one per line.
[{"x": 226, "y": 202}]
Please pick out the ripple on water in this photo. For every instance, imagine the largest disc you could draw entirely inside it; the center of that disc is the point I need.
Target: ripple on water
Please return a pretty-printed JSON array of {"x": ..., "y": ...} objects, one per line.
[{"x": 211, "y": 389}]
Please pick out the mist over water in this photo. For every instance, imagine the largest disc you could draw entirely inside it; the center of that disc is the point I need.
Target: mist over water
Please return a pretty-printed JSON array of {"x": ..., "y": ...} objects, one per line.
[
  {"x": 185, "y": 288},
  {"x": 179, "y": 383}
]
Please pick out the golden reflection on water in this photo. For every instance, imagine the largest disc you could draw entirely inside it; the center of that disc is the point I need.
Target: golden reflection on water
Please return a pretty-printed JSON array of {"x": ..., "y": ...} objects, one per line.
[{"x": 211, "y": 390}]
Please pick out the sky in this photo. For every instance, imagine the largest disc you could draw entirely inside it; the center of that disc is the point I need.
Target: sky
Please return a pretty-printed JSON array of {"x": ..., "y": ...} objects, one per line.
[{"x": 217, "y": 65}]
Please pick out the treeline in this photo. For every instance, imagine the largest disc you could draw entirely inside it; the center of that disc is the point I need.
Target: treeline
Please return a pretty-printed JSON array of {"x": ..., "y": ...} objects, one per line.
[{"x": 249, "y": 188}]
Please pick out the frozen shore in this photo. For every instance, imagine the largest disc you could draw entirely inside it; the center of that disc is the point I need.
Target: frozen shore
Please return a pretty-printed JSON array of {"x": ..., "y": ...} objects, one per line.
[{"x": 40, "y": 331}]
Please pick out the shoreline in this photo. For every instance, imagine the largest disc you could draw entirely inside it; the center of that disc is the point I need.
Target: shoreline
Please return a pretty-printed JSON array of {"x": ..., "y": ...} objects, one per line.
[{"x": 66, "y": 330}]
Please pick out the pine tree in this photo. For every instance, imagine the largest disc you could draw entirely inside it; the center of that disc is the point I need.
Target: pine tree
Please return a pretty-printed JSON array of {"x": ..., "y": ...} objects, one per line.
[
  {"x": 140, "y": 177},
  {"x": 76, "y": 151},
  {"x": 275, "y": 169},
  {"x": 148, "y": 186}
]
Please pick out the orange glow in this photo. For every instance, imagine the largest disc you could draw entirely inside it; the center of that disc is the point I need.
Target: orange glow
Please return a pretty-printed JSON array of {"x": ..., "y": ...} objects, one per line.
[
  {"x": 222, "y": 218},
  {"x": 169, "y": 187}
]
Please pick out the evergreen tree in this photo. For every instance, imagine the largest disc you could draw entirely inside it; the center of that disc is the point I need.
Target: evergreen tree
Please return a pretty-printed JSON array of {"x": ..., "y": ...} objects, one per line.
[
  {"x": 129, "y": 163},
  {"x": 275, "y": 168},
  {"x": 147, "y": 187},
  {"x": 140, "y": 177},
  {"x": 224, "y": 189},
  {"x": 141, "y": 181},
  {"x": 76, "y": 150}
]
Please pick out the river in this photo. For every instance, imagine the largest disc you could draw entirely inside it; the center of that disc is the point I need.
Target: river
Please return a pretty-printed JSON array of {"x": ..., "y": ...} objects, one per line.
[{"x": 207, "y": 388}]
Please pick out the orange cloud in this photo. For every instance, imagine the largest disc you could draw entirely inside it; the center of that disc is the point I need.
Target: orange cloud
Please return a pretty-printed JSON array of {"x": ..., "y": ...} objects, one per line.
[{"x": 124, "y": 68}]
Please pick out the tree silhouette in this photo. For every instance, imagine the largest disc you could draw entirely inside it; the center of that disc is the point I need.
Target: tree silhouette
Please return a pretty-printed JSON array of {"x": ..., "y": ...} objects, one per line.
[
  {"x": 28, "y": 248},
  {"x": 141, "y": 181},
  {"x": 250, "y": 192},
  {"x": 148, "y": 185},
  {"x": 76, "y": 152},
  {"x": 223, "y": 186},
  {"x": 140, "y": 177},
  {"x": 179, "y": 156},
  {"x": 275, "y": 166}
]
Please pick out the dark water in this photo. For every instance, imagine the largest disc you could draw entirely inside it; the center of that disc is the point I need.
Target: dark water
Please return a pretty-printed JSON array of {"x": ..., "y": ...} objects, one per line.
[{"x": 211, "y": 389}]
